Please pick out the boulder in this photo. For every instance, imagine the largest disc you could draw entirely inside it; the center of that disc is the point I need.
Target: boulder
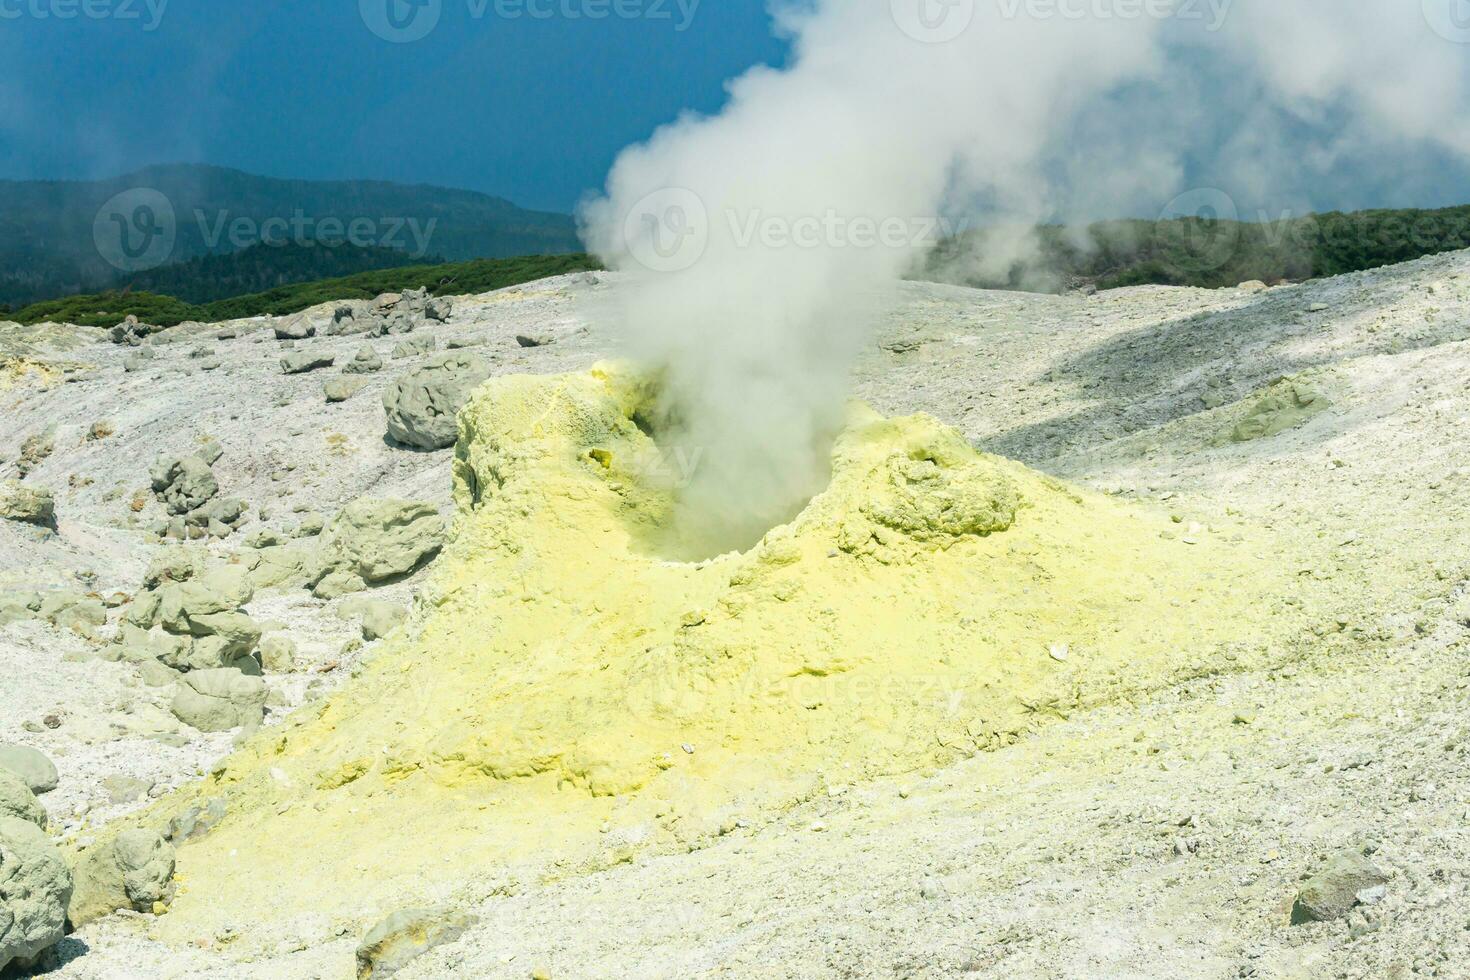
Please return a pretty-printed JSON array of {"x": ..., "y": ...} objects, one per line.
[
  {"x": 17, "y": 802},
  {"x": 365, "y": 361},
  {"x": 373, "y": 541},
  {"x": 134, "y": 871},
  {"x": 33, "y": 768},
  {"x": 404, "y": 936},
  {"x": 379, "y": 617},
  {"x": 73, "y": 611},
  {"x": 546, "y": 339},
  {"x": 279, "y": 567},
  {"x": 341, "y": 388},
  {"x": 298, "y": 327},
  {"x": 415, "y": 347},
  {"x": 1333, "y": 892},
  {"x": 278, "y": 654},
  {"x": 35, "y": 889},
  {"x": 27, "y": 505},
  {"x": 176, "y": 564},
  {"x": 422, "y": 406},
  {"x": 196, "y": 821},
  {"x": 220, "y": 700},
  {"x": 439, "y": 308},
  {"x": 395, "y": 322},
  {"x": 301, "y": 362},
  {"x": 183, "y": 483}
]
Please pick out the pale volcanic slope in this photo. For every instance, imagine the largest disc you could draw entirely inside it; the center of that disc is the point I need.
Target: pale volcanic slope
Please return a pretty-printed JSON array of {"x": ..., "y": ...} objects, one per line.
[{"x": 1163, "y": 836}]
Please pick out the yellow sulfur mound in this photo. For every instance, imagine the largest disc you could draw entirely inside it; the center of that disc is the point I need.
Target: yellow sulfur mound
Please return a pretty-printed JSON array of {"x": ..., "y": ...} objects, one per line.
[{"x": 565, "y": 696}]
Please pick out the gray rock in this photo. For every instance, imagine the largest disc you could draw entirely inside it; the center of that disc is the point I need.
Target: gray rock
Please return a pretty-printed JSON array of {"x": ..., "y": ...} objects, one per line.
[
  {"x": 301, "y": 362},
  {"x": 406, "y": 935},
  {"x": 196, "y": 821},
  {"x": 34, "y": 769},
  {"x": 220, "y": 700},
  {"x": 535, "y": 339},
  {"x": 35, "y": 889},
  {"x": 422, "y": 406},
  {"x": 68, "y": 610},
  {"x": 35, "y": 450},
  {"x": 340, "y": 389},
  {"x": 394, "y": 322},
  {"x": 379, "y": 617},
  {"x": 132, "y": 871},
  {"x": 124, "y": 789},
  {"x": 27, "y": 505},
  {"x": 415, "y": 347},
  {"x": 183, "y": 483},
  {"x": 373, "y": 541},
  {"x": 278, "y": 654},
  {"x": 365, "y": 361},
  {"x": 18, "y": 802},
  {"x": 1332, "y": 892},
  {"x": 439, "y": 308},
  {"x": 298, "y": 327}
]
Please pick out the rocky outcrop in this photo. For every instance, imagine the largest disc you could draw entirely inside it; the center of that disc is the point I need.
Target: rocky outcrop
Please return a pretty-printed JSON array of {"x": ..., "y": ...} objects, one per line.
[
  {"x": 194, "y": 623},
  {"x": 422, "y": 406},
  {"x": 375, "y": 541},
  {"x": 190, "y": 491}
]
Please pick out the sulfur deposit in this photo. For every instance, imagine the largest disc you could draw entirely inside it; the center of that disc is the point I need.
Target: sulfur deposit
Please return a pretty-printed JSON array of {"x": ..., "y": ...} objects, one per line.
[{"x": 567, "y": 694}]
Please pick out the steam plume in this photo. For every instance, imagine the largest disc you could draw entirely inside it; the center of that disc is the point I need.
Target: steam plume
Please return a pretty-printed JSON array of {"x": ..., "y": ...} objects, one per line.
[{"x": 752, "y": 278}]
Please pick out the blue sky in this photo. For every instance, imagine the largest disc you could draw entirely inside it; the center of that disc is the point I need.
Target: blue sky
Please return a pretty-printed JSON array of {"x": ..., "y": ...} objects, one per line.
[{"x": 492, "y": 99}]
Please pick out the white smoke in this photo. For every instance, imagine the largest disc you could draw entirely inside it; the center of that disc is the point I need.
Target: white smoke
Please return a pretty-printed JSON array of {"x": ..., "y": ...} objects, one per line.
[{"x": 760, "y": 245}]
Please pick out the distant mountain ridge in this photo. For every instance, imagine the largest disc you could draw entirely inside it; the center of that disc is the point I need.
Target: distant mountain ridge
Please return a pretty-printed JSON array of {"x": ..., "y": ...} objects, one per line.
[{"x": 63, "y": 237}]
